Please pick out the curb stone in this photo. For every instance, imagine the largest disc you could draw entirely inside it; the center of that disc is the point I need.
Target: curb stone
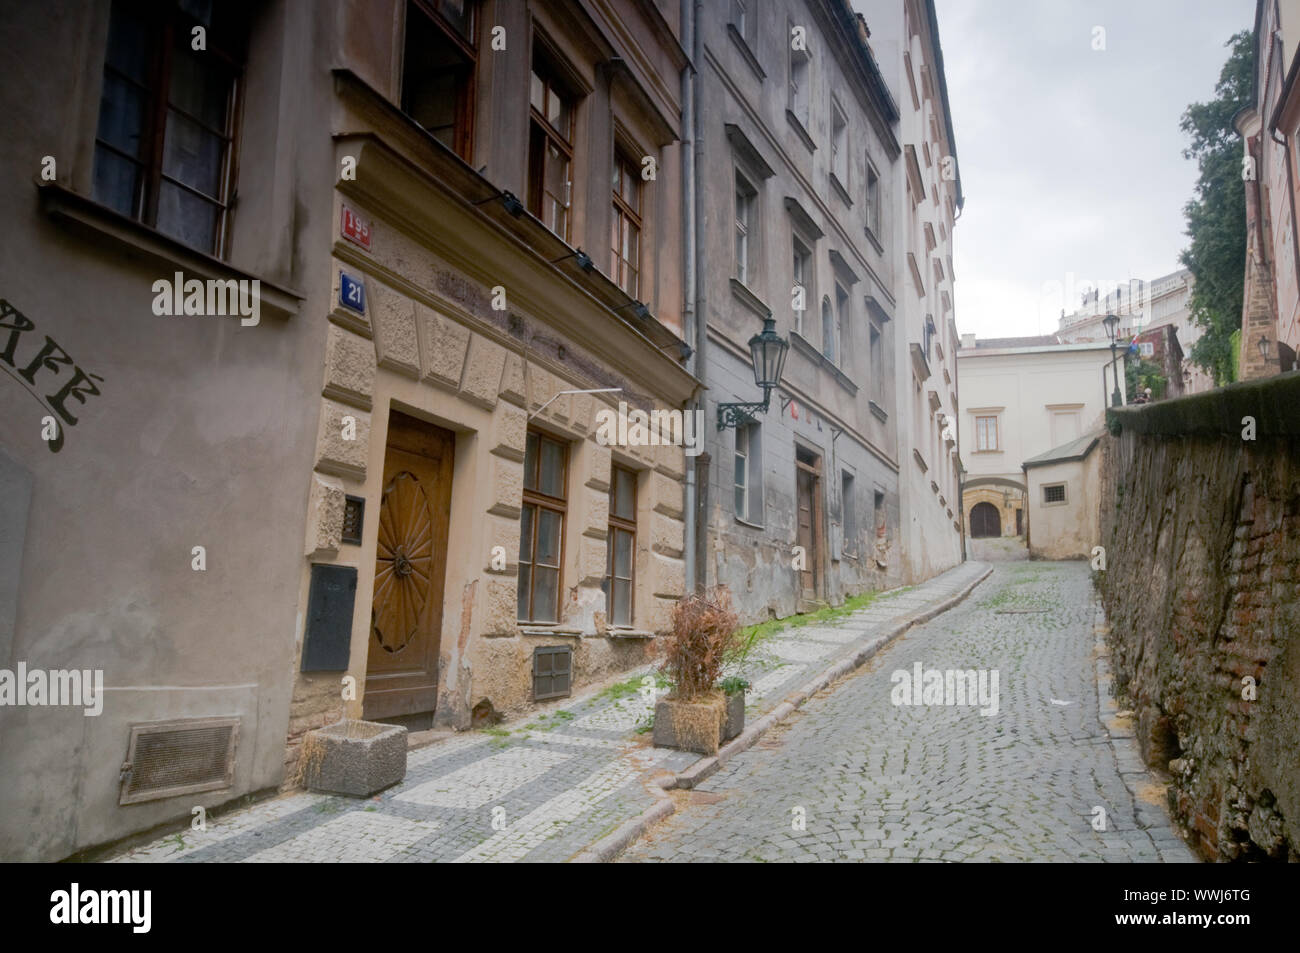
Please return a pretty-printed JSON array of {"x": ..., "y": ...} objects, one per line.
[
  {"x": 614, "y": 843},
  {"x": 1132, "y": 769}
]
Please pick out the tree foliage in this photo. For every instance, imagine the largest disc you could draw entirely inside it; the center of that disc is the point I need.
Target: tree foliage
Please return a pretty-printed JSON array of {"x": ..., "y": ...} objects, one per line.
[{"x": 1216, "y": 216}]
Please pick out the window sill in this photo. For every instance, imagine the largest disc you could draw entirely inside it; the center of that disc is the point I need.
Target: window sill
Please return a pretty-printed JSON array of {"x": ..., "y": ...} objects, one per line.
[
  {"x": 840, "y": 190},
  {"x": 545, "y": 628},
  {"x": 746, "y": 52},
  {"x": 878, "y": 411},
  {"x": 624, "y": 632},
  {"x": 745, "y": 522},
  {"x": 750, "y": 300},
  {"x": 797, "y": 124},
  {"x": 979, "y": 452},
  {"x": 101, "y": 222},
  {"x": 920, "y": 460},
  {"x": 805, "y": 347},
  {"x": 875, "y": 242}
]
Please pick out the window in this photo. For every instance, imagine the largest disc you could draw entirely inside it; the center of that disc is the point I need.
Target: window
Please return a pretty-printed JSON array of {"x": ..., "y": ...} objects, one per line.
[
  {"x": 850, "y": 514},
  {"x": 552, "y": 671},
  {"x": 986, "y": 433},
  {"x": 828, "y": 331},
  {"x": 842, "y": 325},
  {"x": 550, "y": 146},
  {"x": 1147, "y": 348},
  {"x": 800, "y": 84},
  {"x": 744, "y": 17},
  {"x": 621, "y": 555},
  {"x": 839, "y": 145},
  {"x": 747, "y": 473},
  {"x": 745, "y": 196},
  {"x": 625, "y": 235},
  {"x": 802, "y": 279},
  {"x": 438, "y": 70},
  {"x": 877, "y": 362},
  {"x": 873, "y": 200},
  {"x": 164, "y": 146},
  {"x": 541, "y": 528},
  {"x": 1054, "y": 493}
]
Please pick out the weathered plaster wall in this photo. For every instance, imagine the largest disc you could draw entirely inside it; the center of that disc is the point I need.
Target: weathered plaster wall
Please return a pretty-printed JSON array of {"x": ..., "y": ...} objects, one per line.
[
  {"x": 1202, "y": 589},
  {"x": 1067, "y": 530}
]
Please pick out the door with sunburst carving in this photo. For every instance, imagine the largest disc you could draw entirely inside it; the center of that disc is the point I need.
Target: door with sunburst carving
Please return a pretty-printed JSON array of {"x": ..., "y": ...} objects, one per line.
[{"x": 410, "y": 565}]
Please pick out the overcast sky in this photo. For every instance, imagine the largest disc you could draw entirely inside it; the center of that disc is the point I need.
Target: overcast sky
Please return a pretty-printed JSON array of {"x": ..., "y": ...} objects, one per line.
[{"x": 1071, "y": 159}]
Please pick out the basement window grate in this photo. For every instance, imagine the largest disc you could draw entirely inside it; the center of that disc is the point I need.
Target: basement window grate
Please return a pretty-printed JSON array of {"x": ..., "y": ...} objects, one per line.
[
  {"x": 169, "y": 758},
  {"x": 354, "y": 512},
  {"x": 552, "y": 672}
]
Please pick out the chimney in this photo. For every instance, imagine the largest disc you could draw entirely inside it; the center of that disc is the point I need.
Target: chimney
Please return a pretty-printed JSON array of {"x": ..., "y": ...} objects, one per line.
[{"x": 968, "y": 340}]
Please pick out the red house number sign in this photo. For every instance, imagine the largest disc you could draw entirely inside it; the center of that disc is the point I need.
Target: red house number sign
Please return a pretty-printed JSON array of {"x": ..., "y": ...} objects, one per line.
[{"x": 355, "y": 228}]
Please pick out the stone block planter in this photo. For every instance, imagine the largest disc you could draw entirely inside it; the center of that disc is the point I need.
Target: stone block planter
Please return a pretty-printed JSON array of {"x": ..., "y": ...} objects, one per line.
[
  {"x": 734, "y": 722},
  {"x": 694, "y": 725},
  {"x": 358, "y": 758}
]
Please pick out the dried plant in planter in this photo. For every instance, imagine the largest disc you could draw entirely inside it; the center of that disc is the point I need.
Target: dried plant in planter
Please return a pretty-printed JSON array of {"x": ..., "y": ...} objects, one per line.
[{"x": 705, "y": 633}]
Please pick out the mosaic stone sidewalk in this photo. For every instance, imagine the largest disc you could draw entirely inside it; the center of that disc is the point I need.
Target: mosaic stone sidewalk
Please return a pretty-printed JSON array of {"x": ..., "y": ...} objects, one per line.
[{"x": 539, "y": 789}]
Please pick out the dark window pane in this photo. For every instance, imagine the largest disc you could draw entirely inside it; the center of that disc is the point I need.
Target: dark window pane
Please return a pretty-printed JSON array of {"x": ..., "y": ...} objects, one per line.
[
  {"x": 186, "y": 217},
  {"x": 530, "y": 461},
  {"x": 622, "y": 554},
  {"x": 526, "y": 533},
  {"x": 525, "y": 573},
  {"x": 621, "y": 614},
  {"x": 552, "y": 475},
  {"x": 128, "y": 44},
  {"x": 122, "y": 109},
  {"x": 624, "y": 494},
  {"x": 548, "y": 538},
  {"x": 546, "y": 594},
  {"x": 193, "y": 155},
  {"x": 116, "y": 181},
  {"x": 199, "y": 89}
]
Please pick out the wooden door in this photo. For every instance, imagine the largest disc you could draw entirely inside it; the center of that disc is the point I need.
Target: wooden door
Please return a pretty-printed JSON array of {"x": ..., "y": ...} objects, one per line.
[
  {"x": 985, "y": 521},
  {"x": 410, "y": 567},
  {"x": 808, "y": 498}
]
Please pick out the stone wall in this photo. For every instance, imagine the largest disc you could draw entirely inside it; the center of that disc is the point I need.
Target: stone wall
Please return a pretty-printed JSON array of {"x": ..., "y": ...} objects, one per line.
[{"x": 1201, "y": 525}]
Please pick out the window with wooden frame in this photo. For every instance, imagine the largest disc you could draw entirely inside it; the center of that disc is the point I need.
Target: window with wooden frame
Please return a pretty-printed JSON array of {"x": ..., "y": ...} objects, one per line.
[
  {"x": 843, "y": 325},
  {"x": 877, "y": 361},
  {"x": 839, "y": 145},
  {"x": 747, "y": 473},
  {"x": 625, "y": 231},
  {"x": 986, "y": 433},
  {"x": 165, "y": 143},
  {"x": 800, "y": 87},
  {"x": 541, "y": 527},
  {"x": 441, "y": 54},
  {"x": 550, "y": 144},
  {"x": 828, "y": 330},
  {"x": 620, "y": 563}
]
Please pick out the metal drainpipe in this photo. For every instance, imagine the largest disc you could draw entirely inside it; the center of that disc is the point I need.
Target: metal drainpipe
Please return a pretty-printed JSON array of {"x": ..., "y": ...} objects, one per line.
[
  {"x": 689, "y": 316},
  {"x": 701, "y": 295}
]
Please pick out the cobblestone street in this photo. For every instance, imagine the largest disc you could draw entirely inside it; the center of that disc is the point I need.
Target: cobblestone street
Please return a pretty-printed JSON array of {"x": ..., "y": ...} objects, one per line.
[{"x": 851, "y": 776}]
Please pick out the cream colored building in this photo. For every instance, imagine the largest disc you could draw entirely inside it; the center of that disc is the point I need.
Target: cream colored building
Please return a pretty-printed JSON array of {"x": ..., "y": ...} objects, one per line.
[
  {"x": 1063, "y": 489},
  {"x": 1023, "y": 398}
]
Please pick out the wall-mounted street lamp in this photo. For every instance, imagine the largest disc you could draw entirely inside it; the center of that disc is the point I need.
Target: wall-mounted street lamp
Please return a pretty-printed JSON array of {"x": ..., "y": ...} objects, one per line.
[
  {"x": 1264, "y": 345},
  {"x": 1111, "y": 322},
  {"x": 767, "y": 350}
]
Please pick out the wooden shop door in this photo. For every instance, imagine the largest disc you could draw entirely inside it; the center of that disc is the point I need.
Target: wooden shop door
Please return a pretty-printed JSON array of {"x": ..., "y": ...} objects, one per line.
[
  {"x": 808, "y": 498},
  {"x": 410, "y": 567}
]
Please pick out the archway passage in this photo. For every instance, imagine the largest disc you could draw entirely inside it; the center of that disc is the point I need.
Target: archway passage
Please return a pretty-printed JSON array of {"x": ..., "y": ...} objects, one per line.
[{"x": 985, "y": 521}]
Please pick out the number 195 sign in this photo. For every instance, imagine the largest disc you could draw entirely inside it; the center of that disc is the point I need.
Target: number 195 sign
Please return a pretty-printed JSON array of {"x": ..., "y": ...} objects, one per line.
[{"x": 355, "y": 228}]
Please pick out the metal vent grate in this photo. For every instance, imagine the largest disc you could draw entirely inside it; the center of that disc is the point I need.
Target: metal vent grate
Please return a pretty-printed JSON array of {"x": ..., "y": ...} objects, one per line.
[
  {"x": 169, "y": 758},
  {"x": 552, "y": 671}
]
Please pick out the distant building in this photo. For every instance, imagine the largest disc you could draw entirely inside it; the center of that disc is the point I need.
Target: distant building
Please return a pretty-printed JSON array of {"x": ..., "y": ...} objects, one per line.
[
  {"x": 1144, "y": 306},
  {"x": 1062, "y": 495},
  {"x": 1270, "y": 320},
  {"x": 1024, "y": 399}
]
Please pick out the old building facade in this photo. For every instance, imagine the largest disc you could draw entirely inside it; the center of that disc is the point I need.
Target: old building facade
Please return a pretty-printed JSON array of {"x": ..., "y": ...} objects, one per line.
[
  {"x": 927, "y": 201},
  {"x": 1270, "y": 320},
  {"x": 798, "y": 504},
  {"x": 326, "y": 421}
]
